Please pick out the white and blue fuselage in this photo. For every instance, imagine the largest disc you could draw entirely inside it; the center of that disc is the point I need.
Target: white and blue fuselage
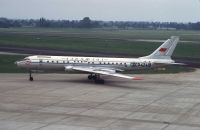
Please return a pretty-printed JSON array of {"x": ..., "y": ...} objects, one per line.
[
  {"x": 101, "y": 65},
  {"x": 61, "y": 63}
]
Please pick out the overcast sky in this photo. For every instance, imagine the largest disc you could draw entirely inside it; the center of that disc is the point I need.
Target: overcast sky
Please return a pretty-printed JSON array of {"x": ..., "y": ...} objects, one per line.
[{"x": 120, "y": 10}]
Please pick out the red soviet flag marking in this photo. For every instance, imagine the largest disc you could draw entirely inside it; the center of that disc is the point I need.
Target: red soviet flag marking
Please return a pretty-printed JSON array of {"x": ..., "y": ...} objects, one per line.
[{"x": 163, "y": 50}]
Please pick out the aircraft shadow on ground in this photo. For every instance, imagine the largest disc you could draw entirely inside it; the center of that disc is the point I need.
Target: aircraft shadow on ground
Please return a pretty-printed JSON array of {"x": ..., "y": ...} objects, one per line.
[
  {"x": 108, "y": 83},
  {"x": 115, "y": 83}
]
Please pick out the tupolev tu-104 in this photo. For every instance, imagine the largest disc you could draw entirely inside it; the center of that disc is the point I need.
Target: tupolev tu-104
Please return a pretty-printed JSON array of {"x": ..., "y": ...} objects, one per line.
[{"x": 97, "y": 66}]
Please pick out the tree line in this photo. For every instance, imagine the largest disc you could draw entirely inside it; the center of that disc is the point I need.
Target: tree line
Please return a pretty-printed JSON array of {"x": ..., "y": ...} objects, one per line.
[{"x": 88, "y": 23}]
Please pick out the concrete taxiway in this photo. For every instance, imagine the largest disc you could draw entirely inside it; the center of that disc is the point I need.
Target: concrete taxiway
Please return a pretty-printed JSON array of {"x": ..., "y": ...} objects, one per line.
[{"x": 71, "y": 102}]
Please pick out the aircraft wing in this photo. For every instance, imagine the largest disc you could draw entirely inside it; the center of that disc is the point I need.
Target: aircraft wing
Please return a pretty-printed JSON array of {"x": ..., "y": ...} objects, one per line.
[{"x": 104, "y": 71}]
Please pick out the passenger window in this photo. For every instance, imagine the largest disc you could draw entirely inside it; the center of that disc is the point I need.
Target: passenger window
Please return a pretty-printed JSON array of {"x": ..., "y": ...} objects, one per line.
[{"x": 125, "y": 64}]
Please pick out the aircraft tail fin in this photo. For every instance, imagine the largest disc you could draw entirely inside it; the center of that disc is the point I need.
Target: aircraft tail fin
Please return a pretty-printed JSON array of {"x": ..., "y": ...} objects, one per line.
[{"x": 165, "y": 51}]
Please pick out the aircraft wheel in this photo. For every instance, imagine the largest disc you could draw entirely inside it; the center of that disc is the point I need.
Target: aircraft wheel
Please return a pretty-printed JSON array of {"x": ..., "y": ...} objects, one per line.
[
  {"x": 31, "y": 78},
  {"x": 90, "y": 77},
  {"x": 94, "y": 77}
]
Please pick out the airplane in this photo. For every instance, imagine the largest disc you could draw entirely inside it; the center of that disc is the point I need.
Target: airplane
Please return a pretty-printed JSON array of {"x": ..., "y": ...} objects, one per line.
[{"x": 97, "y": 66}]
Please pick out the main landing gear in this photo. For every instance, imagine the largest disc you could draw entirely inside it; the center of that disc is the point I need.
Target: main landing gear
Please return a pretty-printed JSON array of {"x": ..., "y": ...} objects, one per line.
[
  {"x": 96, "y": 78},
  {"x": 30, "y": 76}
]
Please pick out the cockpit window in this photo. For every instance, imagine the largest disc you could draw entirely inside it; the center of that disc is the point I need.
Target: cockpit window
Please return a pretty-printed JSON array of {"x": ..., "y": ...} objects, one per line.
[{"x": 26, "y": 59}]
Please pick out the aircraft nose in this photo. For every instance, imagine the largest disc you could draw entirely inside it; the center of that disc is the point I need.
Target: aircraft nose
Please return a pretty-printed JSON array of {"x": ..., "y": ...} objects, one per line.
[{"x": 16, "y": 63}]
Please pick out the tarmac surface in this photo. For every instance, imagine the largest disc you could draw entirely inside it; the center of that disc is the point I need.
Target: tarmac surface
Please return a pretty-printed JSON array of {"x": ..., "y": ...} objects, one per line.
[{"x": 71, "y": 102}]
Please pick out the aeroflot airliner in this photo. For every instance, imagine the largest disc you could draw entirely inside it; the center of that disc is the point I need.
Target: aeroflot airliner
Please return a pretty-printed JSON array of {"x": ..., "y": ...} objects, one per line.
[{"x": 97, "y": 66}]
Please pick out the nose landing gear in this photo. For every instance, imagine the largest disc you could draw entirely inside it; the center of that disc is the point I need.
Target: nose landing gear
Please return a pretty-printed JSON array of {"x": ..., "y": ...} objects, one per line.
[
  {"x": 96, "y": 78},
  {"x": 30, "y": 76}
]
